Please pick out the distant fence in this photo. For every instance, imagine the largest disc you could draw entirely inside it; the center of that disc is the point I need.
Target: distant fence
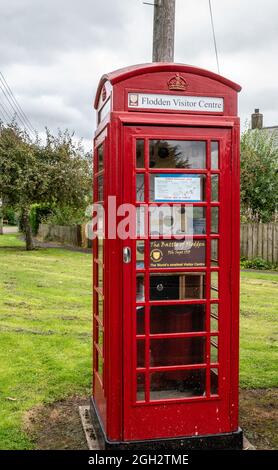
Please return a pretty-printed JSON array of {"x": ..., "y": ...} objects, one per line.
[
  {"x": 256, "y": 240},
  {"x": 259, "y": 241},
  {"x": 73, "y": 235}
]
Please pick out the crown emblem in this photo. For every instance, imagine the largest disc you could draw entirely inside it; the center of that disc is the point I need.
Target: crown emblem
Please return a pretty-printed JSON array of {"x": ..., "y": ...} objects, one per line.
[{"x": 177, "y": 83}]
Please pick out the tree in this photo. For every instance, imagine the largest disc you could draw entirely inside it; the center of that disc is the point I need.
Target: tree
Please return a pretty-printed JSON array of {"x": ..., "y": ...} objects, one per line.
[
  {"x": 259, "y": 175},
  {"x": 1, "y": 217},
  {"x": 56, "y": 172}
]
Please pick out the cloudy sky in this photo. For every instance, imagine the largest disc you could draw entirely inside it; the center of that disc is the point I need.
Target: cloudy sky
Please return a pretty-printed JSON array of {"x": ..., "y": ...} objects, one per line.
[{"x": 53, "y": 52}]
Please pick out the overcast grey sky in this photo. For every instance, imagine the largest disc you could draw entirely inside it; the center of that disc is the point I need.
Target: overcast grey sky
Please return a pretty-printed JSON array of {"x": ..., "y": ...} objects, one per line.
[{"x": 53, "y": 52}]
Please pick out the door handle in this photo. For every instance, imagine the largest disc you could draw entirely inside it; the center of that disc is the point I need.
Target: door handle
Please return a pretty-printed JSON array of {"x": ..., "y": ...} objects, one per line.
[{"x": 126, "y": 255}]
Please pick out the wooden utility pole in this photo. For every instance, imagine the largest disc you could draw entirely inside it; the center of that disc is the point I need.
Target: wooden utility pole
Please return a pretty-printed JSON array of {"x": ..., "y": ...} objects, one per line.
[{"x": 164, "y": 30}]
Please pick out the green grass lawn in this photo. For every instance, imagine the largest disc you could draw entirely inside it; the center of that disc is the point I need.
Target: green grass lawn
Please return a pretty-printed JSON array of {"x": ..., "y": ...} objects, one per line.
[
  {"x": 45, "y": 331},
  {"x": 259, "y": 329}
]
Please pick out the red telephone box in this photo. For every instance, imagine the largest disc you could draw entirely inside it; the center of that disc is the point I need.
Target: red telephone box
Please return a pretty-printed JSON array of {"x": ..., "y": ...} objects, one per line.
[{"x": 166, "y": 259}]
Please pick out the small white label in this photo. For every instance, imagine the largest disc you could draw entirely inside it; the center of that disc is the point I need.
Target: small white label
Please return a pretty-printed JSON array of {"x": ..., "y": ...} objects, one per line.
[{"x": 176, "y": 102}]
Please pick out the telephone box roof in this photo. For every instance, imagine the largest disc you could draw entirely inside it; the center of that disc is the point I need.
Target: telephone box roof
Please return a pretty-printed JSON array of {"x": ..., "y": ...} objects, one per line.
[{"x": 135, "y": 70}]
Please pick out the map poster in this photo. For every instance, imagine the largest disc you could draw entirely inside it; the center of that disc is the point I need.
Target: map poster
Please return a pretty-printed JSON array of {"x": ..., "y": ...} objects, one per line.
[{"x": 177, "y": 188}]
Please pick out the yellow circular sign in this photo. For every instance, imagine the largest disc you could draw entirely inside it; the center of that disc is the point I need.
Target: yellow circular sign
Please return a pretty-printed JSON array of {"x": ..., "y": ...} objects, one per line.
[{"x": 156, "y": 255}]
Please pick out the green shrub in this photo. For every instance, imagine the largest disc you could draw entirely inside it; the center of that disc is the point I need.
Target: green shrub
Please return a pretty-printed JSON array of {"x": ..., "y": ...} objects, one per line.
[
  {"x": 259, "y": 175},
  {"x": 257, "y": 263},
  {"x": 65, "y": 216},
  {"x": 10, "y": 215},
  {"x": 37, "y": 213}
]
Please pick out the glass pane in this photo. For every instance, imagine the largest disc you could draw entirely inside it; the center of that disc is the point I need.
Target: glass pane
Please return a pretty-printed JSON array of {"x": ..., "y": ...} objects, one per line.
[
  {"x": 100, "y": 276},
  {"x": 199, "y": 220},
  {"x": 215, "y": 188},
  {"x": 177, "y": 318},
  {"x": 140, "y": 254},
  {"x": 214, "y": 285},
  {"x": 168, "y": 220},
  {"x": 100, "y": 188},
  {"x": 140, "y": 154},
  {"x": 177, "y": 351},
  {"x": 187, "y": 253},
  {"x": 100, "y": 307},
  {"x": 100, "y": 364},
  {"x": 214, "y": 317},
  {"x": 214, "y": 381},
  {"x": 104, "y": 110},
  {"x": 214, "y": 349},
  {"x": 169, "y": 187},
  {"x": 100, "y": 249},
  {"x": 100, "y": 336},
  {"x": 214, "y": 252},
  {"x": 141, "y": 353},
  {"x": 177, "y": 286},
  {"x": 140, "y": 290},
  {"x": 98, "y": 223},
  {"x": 140, "y": 221},
  {"x": 100, "y": 157},
  {"x": 140, "y": 396},
  {"x": 140, "y": 320},
  {"x": 140, "y": 188},
  {"x": 177, "y": 154},
  {"x": 214, "y": 155},
  {"x": 177, "y": 220},
  {"x": 178, "y": 384},
  {"x": 214, "y": 219}
]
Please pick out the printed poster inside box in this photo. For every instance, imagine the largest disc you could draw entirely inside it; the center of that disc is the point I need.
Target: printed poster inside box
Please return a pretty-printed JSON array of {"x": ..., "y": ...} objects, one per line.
[
  {"x": 177, "y": 188},
  {"x": 177, "y": 253}
]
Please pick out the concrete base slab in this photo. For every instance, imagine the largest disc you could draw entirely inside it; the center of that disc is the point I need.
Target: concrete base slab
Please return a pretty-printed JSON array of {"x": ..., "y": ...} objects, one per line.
[
  {"x": 88, "y": 428},
  {"x": 91, "y": 437},
  {"x": 247, "y": 445}
]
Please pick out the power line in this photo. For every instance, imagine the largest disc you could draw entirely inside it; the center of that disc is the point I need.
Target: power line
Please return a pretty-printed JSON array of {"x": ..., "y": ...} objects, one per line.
[
  {"x": 5, "y": 119},
  {"x": 16, "y": 113},
  {"x": 7, "y": 99},
  {"x": 2, "y": 78},
  {"x": 15, "y": 103},
  {"x": 7, "y": 92},
  {"x": 25, "y": 126},
  {"x": 214, "y": 37},
  {"x": 10, "y": 117}
]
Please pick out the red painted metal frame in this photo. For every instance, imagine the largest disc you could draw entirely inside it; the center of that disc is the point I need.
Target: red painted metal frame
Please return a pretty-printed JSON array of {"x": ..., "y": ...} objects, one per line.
[
  {"x": 99, "y": 382},
  {"x": 115, "y": 401},
  {"x": 154, "y": 414}
]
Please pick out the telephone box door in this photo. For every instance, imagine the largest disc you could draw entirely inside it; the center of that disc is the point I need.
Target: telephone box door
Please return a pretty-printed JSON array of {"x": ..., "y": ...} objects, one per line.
[{"x": 177, "y": 299}]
